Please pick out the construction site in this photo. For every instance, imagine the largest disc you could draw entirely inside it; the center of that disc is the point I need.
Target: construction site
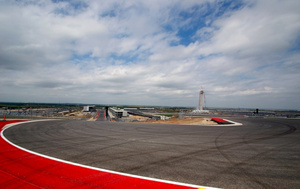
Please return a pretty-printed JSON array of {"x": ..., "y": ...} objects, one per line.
[{"x": 144, "y": 114}]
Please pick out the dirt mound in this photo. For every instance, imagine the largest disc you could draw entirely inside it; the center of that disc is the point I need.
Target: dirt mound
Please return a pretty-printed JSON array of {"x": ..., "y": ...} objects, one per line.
[{"x": 185, "y": 121}]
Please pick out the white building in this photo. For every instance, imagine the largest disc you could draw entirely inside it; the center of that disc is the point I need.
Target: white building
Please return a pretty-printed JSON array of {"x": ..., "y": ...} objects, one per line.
[
  {"x": 118, "y": 113},
  {"x": 88, "y": 108}
]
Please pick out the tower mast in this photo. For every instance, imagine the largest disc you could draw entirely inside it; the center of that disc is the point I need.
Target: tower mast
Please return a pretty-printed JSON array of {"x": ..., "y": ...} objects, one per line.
[{"x": 201, "y": 96}]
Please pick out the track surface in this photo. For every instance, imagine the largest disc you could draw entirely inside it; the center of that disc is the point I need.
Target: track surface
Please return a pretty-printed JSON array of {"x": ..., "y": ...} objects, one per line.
[
  {"x": 263, "y": 153},
  {"x": 101, "y": 116},
  {"x": 21, "y": 168}
]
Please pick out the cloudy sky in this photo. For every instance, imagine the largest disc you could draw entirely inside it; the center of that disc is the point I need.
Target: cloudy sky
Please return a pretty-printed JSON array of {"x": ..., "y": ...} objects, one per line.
[{"x": 244, "y": 54}]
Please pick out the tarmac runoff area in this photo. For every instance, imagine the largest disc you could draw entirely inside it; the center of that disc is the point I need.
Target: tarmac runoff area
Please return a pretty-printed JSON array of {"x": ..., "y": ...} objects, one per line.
[{"x": 263, "y": 153}]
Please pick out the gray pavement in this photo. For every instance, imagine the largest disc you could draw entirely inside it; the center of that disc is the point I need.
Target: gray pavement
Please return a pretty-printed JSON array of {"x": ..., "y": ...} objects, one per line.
[
  {"x": 263, "y": 153},
  {"x": 101, "y": 115}
]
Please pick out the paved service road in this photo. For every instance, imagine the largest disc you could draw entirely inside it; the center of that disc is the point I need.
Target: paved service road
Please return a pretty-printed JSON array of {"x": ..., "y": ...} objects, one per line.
[
  {"x": 101, "y": 115},
  {"x": 263, "y": 153}
]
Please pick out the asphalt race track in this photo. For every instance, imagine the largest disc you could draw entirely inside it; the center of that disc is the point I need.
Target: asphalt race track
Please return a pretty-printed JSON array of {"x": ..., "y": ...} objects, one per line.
[
  {"x": 263, "y": 153},
  {"x": 101, "y": 116}
]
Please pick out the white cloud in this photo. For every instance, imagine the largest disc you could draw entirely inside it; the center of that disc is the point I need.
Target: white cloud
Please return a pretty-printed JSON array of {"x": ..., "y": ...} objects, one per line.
[
  {"x": 264, "y": 28},
  {"x": 130, "y": 52}
]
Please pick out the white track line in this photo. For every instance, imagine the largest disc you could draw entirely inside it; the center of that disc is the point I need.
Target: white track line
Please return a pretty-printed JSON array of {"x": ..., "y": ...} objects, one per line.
[
  {"x": 234, "y": 123},
  {"x": 95, "y": 168}
]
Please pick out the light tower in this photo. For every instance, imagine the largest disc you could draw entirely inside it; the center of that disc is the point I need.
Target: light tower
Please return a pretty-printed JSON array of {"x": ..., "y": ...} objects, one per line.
[{"x": 201, "y": 97}]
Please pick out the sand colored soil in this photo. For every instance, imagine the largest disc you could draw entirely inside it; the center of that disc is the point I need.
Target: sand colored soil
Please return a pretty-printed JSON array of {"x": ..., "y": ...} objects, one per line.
[
  {"x": 185, "y": 121},
  {"x": 79, "y": 115},
  {"x": 137, "y": 117}
]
